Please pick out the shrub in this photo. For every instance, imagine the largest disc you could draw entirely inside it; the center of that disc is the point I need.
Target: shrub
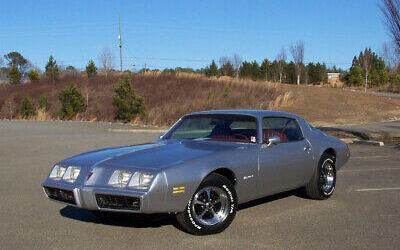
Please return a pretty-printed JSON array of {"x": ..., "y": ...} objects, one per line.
[
  {"x": 14, "y": 75},
  {"x": 44, "y": 102},
  {"x": 27, "y": 109},
  {"x": 129, "y": 105},
  {"x": 72, "y": 101},
  {"x": 33, "y": 75},
  {"x": 9, "y": 108},
  {"x": 91, "y": 69}
]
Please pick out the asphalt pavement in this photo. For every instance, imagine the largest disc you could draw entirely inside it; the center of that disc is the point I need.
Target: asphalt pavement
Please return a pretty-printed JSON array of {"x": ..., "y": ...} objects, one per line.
[{"x": 363, "y": 213}]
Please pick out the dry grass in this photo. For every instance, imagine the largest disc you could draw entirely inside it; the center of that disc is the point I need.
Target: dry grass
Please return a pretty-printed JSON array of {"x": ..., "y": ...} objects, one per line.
[
  {"x": 42, "y": 115},
  {"x": 168, "y": 96}
]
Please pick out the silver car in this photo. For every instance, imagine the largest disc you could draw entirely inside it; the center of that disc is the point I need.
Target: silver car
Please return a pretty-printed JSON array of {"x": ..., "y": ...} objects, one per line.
[{"x": 203, "y": 167}]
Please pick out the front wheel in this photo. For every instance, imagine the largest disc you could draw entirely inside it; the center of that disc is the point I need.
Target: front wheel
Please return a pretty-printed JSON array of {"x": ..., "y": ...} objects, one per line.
[
  {"x": 212, "y": 208},
  {"x": 322, "y": 184}
]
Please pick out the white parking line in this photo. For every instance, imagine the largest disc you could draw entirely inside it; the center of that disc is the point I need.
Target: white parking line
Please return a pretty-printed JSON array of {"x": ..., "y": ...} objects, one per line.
[
  {"x": 371, "y": 156},
  {"x": 376, "y": 189},
  {"x": 366, "y": 170}
]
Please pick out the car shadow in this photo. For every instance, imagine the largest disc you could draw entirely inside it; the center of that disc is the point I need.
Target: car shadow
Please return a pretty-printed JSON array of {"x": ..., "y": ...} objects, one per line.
[
  {"x": 296, "y": 192},
  {"x": 119, "y": 219},
  {"x": 154, "y": 220}
]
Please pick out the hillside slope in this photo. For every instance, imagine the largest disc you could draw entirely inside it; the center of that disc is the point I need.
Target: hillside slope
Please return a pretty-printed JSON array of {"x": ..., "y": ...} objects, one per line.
[{"x": 168, "y": 96}]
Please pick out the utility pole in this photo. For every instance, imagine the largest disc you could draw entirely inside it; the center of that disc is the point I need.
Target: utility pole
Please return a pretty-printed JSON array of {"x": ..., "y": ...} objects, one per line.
[{"x": 120, "y": 41}]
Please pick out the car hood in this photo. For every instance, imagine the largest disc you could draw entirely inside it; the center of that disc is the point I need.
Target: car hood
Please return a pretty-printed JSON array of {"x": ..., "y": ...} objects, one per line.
[{"x": 156, "y": 155}]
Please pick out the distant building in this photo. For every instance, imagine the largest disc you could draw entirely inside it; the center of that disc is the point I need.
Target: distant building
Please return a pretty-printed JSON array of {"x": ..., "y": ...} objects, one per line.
[{"x": 333, "y": 77}]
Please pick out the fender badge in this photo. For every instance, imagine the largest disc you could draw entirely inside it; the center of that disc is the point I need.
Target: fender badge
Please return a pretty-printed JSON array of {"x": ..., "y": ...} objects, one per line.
[
  {"x": 177, "y": 190},
  {"x": 248, "y": 177}
]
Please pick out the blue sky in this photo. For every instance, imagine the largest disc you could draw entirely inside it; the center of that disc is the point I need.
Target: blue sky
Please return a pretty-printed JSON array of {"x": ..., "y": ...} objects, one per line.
[{"x": 189, "y": 33}]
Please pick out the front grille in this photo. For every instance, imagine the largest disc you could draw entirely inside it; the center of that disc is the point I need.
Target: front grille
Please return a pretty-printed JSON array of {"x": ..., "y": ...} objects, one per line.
[
  {"x": 117, "y": 202},
  {"x": 59, "y": 194}
]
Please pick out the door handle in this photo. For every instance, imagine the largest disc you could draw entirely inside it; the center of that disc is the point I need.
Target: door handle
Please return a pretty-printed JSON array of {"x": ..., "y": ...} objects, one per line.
[{"x": 307, "y": 148}]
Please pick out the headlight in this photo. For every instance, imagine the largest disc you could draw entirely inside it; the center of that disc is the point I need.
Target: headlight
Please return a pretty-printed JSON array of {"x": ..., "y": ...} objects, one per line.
[
  {"x": 120, "y": 178},
  {"x": 71, "y": 174},
  {"x": 58, "y": 172},
  {"x": 141, "y": 180}
]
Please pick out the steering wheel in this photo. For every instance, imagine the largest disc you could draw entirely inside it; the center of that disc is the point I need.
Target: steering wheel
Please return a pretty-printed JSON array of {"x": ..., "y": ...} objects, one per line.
[{"x": 242, "y": 136}]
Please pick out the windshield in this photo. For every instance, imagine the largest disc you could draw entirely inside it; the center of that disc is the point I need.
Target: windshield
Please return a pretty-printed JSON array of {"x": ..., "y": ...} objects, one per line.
[{"x": 232, "y": 128}]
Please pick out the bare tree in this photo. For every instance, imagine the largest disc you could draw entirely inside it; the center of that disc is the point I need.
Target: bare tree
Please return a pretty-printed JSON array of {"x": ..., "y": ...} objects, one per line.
[
  {"x": 281, "y": 59},
  {"x": 391, "y": 11},
  {"x": 390, "y": 56},
  {"x": 297, "y": 51},
  {"x": 106, "y": 60},
  {"x": 367, "y": 66},
  {"x": 237, "y": 62}
]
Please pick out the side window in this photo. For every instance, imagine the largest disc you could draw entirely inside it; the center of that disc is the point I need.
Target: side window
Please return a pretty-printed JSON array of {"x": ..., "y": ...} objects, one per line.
[{"x": 287, "y": 129}]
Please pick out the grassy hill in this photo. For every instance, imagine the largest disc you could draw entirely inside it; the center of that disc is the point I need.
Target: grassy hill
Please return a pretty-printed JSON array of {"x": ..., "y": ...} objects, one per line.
[{"x": 168, "y": 96}]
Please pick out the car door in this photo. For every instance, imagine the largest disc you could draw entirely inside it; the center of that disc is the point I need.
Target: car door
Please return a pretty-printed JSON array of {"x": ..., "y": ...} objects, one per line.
[{"x": 282, "y": 165}]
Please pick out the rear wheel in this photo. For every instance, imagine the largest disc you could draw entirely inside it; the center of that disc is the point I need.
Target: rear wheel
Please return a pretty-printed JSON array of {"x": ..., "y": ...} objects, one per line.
[
  {"x": 322, "y": 184},
  {"x": 212, "y": 208}
]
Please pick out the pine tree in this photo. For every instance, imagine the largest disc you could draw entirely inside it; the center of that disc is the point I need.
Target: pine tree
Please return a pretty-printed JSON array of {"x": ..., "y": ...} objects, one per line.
[
  {"x": 14, "y": 75},
  {"x": 91, "y": 69},
  {"x": 212, "y": 70},
  {"x": 129, "y": 105},
  {"x": 52, "y": 69}
]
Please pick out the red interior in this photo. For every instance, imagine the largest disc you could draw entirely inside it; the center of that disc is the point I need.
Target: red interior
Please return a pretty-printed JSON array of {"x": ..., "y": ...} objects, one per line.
[
  {"x": 270, "y": 132},
  {"x": 229, "y": 138}
]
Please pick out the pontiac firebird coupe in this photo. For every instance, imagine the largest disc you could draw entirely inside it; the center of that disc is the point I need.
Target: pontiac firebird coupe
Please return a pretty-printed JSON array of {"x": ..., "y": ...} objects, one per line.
[{"x": 203, "y": 167}]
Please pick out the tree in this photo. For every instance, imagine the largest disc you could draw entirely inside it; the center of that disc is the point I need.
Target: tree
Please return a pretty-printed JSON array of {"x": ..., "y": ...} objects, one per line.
[
  {"x": 356, "y": 75},
  {"x": 91, "y": 69},
  {"x": 17, "y": 60},
  {"x": 52, "y": 69},
  {"x": 14, "y": 75},
  {"x": 44, "y": 102},
  {"x": 72, "y": 101},
  {"x": 297, "y": 51},
  {"x": 281, "y": 59},
  {"x": 255, "y": 70},
  {"x": 366, "y": 64},
  {"x": 33, "y": 75},
  {"x": 1, "y": 61},
  {"x": 374, "y": 69},
  {"x": 265, "y": 69},
  {"x": 390, "y": 56},
  {"x": 290, "y": 71},
  {"x": 106, "y": 60},
  {"x": 71, "y": 70},
  {"x": 237, "y": 62},
  {"x": 246, "y": 70},
  {"x": 129, "y": 105},
  {"x": 212, "y": 70},
  {"x": 27, "y": 109},
  {"x": 226, "y": 67},
  {"x": 391, "y": 11}
]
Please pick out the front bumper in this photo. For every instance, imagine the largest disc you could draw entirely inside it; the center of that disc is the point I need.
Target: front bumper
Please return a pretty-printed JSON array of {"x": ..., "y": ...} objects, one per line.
[{"x": 106, "y": 198}]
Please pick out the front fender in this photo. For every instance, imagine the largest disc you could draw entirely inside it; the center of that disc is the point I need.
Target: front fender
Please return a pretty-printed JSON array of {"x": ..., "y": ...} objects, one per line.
[{"x": 183, "y": 181}]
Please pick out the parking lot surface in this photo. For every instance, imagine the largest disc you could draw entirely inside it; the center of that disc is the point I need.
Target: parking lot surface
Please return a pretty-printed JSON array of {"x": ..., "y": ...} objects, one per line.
[{"x": 363, "y": 213}]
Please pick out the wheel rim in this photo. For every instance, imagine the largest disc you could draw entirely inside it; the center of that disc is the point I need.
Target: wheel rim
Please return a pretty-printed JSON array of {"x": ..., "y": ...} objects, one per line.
[
  {"x": 210, "y": 206},
  {"x": 327, "y": 177}
]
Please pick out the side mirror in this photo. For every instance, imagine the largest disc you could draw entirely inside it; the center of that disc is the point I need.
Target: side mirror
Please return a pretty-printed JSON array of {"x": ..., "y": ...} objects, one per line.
[{"x": 273, "y": 140}]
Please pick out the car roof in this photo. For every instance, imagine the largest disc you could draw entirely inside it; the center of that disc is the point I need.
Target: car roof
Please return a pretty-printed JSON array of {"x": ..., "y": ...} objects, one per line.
[{"x": 251, "y": 112}]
